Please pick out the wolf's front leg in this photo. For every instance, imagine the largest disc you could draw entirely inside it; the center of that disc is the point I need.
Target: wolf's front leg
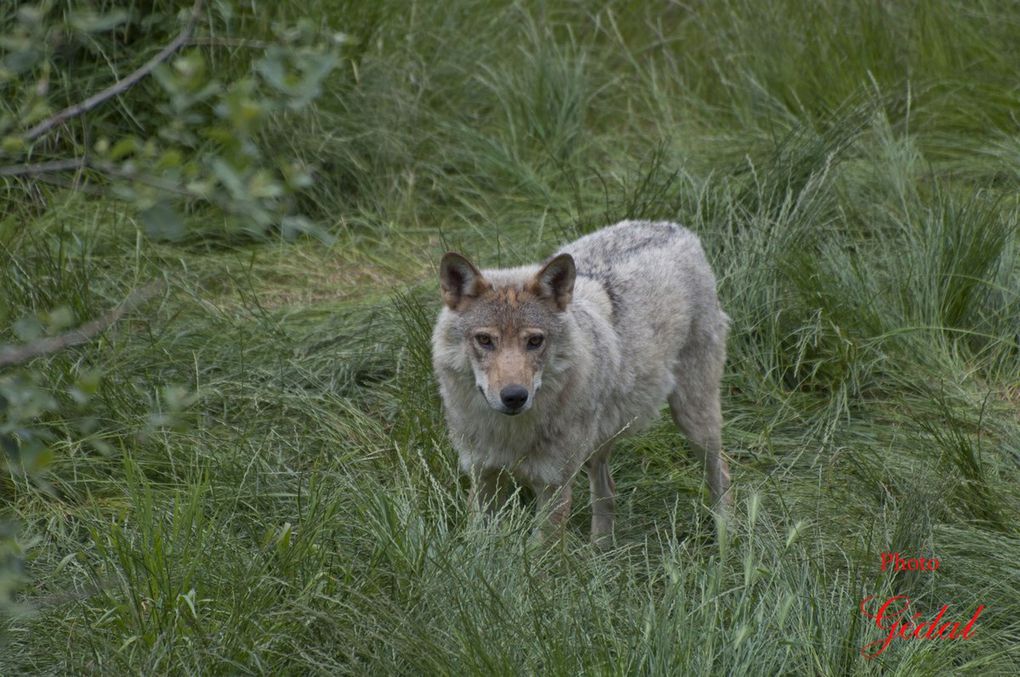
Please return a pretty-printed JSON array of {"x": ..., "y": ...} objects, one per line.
[
  {"x": 603, "y": 500},
  {"x": 489, "y": 492},
  {"x": 554, "y": 506}
]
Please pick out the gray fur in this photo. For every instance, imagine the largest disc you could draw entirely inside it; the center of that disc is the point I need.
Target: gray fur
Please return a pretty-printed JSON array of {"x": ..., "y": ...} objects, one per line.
[{"x": 641, "y": 326}]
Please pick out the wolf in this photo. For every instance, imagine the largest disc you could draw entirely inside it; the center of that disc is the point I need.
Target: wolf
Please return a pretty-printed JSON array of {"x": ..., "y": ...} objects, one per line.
[{"x": 541, "y": 368}]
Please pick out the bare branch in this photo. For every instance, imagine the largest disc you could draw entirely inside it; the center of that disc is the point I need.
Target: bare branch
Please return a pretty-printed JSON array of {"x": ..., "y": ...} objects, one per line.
[
  {"x": 110, "y": 169},
  {"x": 76, "y": 184},
  {"x": 221, "y": 41},
  {"x": 44, "y": 167},
  {"x": 15, "y": 355},
  {"x": 121, "y": 86}
]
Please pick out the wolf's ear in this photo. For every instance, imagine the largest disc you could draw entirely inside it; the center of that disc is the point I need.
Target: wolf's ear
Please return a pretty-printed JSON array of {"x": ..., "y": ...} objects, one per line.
[
  {"x": 556, "y": 281},
  {"x": 459, "y": 280}
]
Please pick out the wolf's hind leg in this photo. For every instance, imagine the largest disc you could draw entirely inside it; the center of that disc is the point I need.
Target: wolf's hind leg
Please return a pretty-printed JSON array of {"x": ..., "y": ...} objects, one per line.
[
  {"x": 603, "y": 498},
  {"x": 696, "y": 410}
]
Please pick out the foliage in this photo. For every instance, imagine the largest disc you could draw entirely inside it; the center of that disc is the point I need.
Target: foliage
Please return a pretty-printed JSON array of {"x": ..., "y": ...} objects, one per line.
[{"x": 191, "y": 137}]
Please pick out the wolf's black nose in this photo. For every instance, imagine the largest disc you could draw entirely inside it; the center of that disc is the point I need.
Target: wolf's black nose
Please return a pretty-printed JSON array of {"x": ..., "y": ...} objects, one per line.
[{"x": 514, "y": 396}]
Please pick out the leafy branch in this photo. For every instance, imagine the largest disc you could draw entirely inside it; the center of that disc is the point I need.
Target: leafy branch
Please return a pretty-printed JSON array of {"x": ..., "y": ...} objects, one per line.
[
  {"x": 202, "y": 140},
  {"x": 121, "y": 86}
]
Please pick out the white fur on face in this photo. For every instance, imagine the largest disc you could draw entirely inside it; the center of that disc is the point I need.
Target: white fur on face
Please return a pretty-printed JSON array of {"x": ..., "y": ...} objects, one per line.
[{"x": 494, "y": 400}]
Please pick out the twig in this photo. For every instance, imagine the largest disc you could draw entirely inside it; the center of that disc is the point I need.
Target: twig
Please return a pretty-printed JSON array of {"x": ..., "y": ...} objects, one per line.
[
  {"x": 14, "y": 355},
  {"x": 120, "y": 86},
  {"x": 44, "y": 167},
  {"x": 112, "y": 170},
  {"x": 77, "y": 184},
  {"x": 220, "y": 41}
]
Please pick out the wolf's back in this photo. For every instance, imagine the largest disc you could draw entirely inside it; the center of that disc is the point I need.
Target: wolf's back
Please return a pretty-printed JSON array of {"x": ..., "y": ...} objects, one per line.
[{"x": 657, "y": 277}]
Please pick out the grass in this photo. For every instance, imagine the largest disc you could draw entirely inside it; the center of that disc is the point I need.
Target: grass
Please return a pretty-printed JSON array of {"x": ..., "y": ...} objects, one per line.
[{"x": 263, "y": 483}]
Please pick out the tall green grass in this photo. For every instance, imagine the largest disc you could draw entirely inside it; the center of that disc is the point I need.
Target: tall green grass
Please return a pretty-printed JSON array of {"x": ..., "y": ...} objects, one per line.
[{"x": 266, "y": 486}]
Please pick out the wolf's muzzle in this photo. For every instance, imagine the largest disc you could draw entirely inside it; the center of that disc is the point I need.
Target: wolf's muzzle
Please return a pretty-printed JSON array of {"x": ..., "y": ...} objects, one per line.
[{"x": 513, "y": 397}]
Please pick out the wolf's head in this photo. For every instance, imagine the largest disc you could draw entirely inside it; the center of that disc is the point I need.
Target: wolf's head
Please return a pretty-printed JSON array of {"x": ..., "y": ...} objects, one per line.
[{"x": 507, "y": 326}]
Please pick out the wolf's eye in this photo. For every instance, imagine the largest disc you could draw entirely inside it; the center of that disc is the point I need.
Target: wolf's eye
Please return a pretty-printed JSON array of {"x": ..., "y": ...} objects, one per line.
[
  {"x": 484, "y": 340},
  {"x": 535, "y": 342}
]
